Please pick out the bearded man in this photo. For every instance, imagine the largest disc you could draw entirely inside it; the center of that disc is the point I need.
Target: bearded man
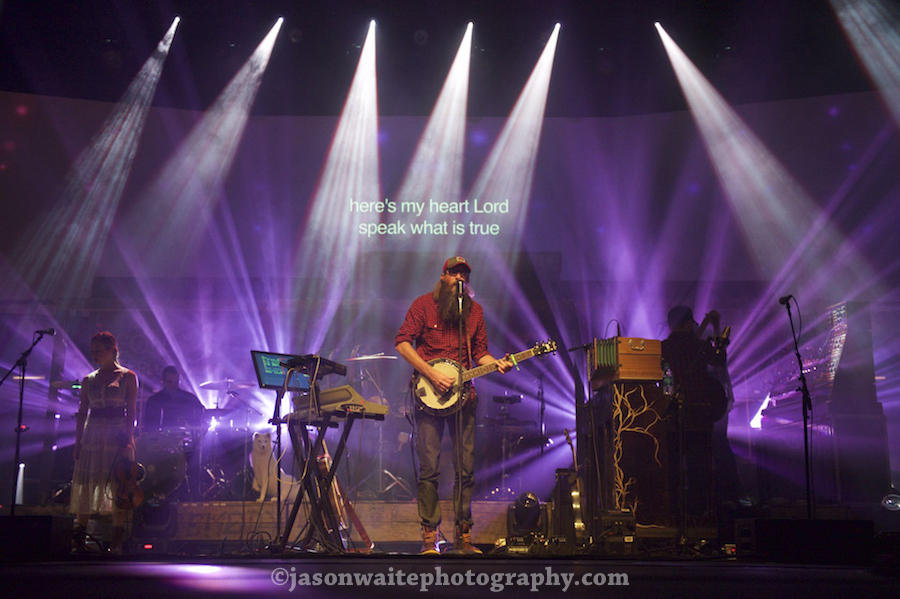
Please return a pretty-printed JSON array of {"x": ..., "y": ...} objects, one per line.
[{"x": 433, "y": 323}]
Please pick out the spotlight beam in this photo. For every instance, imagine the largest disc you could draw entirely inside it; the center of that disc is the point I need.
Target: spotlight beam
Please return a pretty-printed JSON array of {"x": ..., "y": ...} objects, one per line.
[
  {"x": 436, "y": 169},
  {"x": 174, "y": 212},
  {"x": 329, "y": 246},
  {"x": 60, "y": 256},
  {"x": 508, "y": 172},
  {"x": 873, "y": 27}
]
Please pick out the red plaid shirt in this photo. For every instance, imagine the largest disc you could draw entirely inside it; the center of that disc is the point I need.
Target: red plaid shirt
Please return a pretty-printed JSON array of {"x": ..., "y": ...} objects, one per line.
[{"x": 435, "y": 338}]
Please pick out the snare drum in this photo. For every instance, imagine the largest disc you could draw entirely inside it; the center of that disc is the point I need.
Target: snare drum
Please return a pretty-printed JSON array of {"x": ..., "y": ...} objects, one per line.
[{"x": 162, "y": 455}]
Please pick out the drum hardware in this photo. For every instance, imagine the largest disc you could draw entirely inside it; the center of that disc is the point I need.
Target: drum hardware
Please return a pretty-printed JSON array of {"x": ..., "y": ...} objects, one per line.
[
  {"x": 508, "y": 428},
  {"x": 507, "y": 399},
  {"x": 227, "y": 385},
  {"x": 378, "y": 356},
  {"x": 240, "y": 485},
  {"x": 387, "y": 480},
  {"x": 217, "y": 412},
  {"x": 214, "y": 483},
  {"x": 165, "y": 465},
  {"x": 381, "y": 472}
]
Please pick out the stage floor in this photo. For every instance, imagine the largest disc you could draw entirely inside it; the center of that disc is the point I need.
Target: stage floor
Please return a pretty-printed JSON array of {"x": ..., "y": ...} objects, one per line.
[
  {"x": 213, "y": 549},
  {"x": 188, "y": 527},
  {"x": 395, "y": 575}
]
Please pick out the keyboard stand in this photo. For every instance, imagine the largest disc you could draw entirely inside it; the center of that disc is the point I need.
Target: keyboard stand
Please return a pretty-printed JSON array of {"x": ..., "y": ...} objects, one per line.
[{"x": 318, "y": 484}]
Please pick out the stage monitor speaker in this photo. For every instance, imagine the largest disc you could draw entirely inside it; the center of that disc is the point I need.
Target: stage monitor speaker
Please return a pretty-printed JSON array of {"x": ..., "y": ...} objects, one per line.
[{"x": 35, "y": 538}]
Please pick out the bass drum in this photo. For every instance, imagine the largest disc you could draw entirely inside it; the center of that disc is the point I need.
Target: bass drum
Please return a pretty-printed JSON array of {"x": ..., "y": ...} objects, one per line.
[{"x": 165, "y": 466}]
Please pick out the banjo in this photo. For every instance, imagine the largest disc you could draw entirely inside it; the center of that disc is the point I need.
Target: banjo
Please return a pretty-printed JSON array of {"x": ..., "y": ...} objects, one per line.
[{"x": 453, "y": 399}]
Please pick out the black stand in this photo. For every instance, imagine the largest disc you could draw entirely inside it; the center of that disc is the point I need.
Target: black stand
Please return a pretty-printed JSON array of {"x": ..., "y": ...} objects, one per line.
[
  {"x": 807, "y": 410},
  {"x": 543, "y": 409},
  {"x": 682, "y": 483},
  {"x": 586, "y": 430},
  {"x": 316, "y": 483},
  {"x": 328, "y": 506},
  {"x": 276, "y": 420},
  {"x": 22, "y": 362},
  {"x": 457, "y": 447}
]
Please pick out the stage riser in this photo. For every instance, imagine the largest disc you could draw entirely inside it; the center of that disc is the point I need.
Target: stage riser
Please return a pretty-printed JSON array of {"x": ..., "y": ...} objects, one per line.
[{"x": 384, "y": 522}]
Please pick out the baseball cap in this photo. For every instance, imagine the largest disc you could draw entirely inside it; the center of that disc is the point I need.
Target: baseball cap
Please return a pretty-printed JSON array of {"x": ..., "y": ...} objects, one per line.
[{"x": 456, "y": 261}]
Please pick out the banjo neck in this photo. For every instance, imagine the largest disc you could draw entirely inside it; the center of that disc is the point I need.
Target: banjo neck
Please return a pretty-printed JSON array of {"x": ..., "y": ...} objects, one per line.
[{"x": 478, "y": 371}]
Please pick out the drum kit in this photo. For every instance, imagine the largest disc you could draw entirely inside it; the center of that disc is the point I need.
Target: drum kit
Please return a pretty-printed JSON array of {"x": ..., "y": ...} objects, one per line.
[
  {"x": 196, "y": 461},
  {"x": 210, "y": 461},
  {"x": 217, "y": 457}
]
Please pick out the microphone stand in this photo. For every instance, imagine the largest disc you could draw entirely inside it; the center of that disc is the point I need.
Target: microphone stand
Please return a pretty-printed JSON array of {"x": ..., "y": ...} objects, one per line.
[
  {"x": 807, "y": 410},
  {"x": 22, "y": 362},
  {"x": 458, "y": 508},
  {"x": 543, "y": 408}
]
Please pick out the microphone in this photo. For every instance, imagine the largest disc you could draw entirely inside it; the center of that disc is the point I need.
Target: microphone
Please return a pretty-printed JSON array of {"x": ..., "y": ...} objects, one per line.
[
  {"x": 51, "y": 331},
  {"x": 784, "y": 300},
  {"x": 460, "y": 288}
]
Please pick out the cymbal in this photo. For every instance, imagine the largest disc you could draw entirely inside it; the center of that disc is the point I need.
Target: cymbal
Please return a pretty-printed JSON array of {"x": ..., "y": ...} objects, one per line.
[
  {"x": 66, "y": 384},
  {"x": 379, "y": 356},
  {"x": 507, "y": 398},
  {"x": 227, "y": 385},
  {"x": 217, "y": 412}
]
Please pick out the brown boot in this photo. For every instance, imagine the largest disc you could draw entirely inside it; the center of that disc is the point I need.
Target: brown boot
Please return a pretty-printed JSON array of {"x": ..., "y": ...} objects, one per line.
[
  {"x": 464, "y": 541},
  {"x": 429, "y": 541}
]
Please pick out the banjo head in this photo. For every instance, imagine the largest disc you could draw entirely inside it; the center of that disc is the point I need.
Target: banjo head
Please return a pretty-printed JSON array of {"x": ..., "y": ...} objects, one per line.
[{"x": 435, "y": 403}]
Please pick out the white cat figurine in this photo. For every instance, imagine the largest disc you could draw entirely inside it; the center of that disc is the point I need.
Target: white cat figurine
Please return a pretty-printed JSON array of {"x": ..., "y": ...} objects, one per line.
[{"x": 266, "y": 471}]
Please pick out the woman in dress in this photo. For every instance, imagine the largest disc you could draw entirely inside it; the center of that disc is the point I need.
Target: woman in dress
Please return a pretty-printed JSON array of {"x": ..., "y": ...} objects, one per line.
[{"x": 104, "y": 431}]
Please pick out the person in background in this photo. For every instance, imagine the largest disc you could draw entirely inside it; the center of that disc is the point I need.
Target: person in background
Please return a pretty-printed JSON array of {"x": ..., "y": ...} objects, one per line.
[
  {"x": 104, "y": 432},
  {"x": 172, "y": 407},
  {"x": 704, "y": 403}
]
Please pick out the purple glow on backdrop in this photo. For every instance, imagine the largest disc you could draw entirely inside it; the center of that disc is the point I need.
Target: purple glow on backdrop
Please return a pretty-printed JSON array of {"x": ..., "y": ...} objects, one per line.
[{"x": 611, "y": 198}]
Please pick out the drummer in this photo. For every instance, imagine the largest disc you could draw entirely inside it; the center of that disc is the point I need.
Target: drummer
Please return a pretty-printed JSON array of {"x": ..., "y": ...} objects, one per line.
[{"x": 172, "y": 407}]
